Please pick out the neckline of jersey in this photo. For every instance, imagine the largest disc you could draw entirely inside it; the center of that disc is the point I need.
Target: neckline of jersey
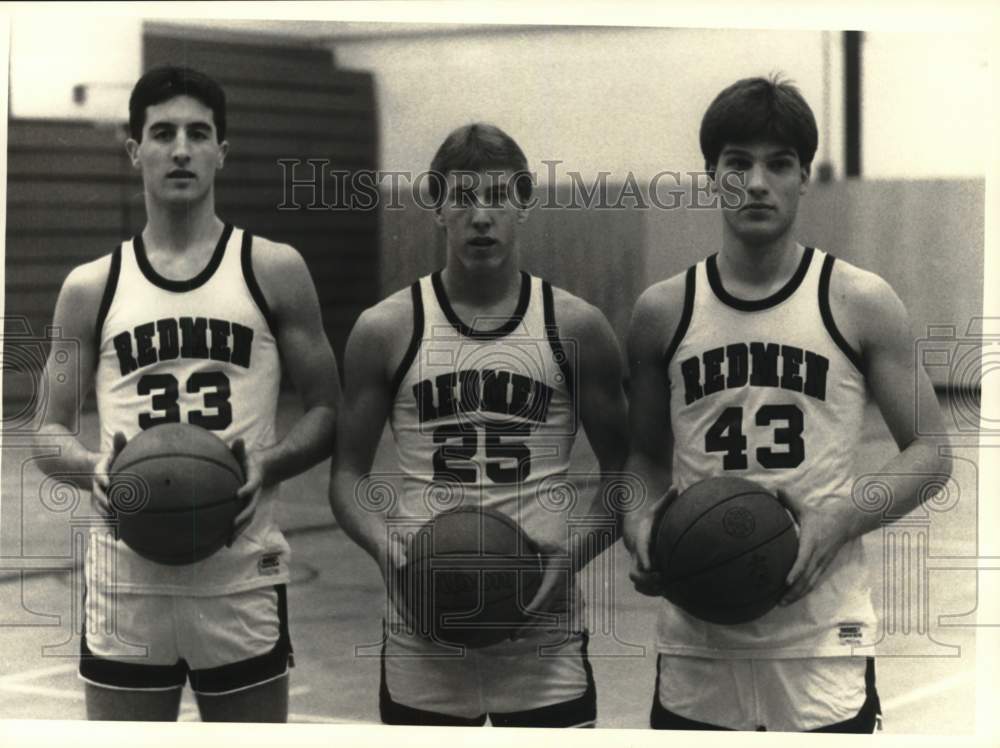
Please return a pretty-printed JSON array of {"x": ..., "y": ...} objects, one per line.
[
  {"x": 505, "y": 329},
  {"x": 169, "y": 284},
  {"x": 757, "y": 305}
]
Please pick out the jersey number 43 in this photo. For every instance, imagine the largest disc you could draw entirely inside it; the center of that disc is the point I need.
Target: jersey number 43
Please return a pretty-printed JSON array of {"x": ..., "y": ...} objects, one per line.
[{"x": 726, "y": 436}]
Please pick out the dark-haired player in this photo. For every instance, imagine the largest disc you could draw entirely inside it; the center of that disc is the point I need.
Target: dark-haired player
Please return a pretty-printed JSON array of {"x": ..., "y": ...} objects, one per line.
[
  {"x": 185, "y": 323},
  {"x": 481, "y": 370},
  {"x": 757, "y": 362}
]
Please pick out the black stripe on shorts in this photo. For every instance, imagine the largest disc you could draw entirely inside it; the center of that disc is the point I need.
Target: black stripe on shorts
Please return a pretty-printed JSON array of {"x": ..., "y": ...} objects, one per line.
[{"x": 224, "y": 679}]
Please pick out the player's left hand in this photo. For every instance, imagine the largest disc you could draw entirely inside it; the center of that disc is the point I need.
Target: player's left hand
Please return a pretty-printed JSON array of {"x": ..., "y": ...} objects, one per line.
[
  {"x": 549, "y": 607},
  {"x": 249, "y": 492},
  {"x": 822, "y": 533}
]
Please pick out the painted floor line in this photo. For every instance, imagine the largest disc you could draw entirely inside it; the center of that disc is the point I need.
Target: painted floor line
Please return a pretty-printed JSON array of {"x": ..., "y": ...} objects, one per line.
[
  {"x": 55, "y": 693},
  {"x": 919, "y": 694},
  {"x": 41, "y": 672}
]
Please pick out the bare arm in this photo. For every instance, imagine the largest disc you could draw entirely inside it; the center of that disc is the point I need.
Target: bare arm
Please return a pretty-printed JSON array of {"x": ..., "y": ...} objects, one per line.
[
  {"x": 305, "y": 349},
  {"x": 602, "y": 410},
  {"x": 75, "y": 318},
  {"x": 356, "y": 503},
  {"x": 654, "y": 320},
  {"x": 876, "y": 320}
]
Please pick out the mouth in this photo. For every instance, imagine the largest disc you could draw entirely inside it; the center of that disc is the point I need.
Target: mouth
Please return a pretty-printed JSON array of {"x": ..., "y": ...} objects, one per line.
[
  {"x": 180, "y": 174},
  {"x": 757, "y": 206},
  {"x": 481, "y": 241}
]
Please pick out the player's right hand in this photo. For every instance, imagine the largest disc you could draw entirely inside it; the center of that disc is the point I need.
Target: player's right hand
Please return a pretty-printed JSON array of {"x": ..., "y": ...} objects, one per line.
[
  {"x": 637, "y": 532},
  {"x": 102, "y": 477}
]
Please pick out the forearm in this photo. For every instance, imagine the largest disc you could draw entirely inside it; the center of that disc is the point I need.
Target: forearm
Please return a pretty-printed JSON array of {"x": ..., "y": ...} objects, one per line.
[
  {"x": 61, "y": 453},
  {"x": 360, "y": 508},
  {"x": 649, "y": 480},
  {"x": 908, "y": 479},
  {"x": 309, "y": 442}
]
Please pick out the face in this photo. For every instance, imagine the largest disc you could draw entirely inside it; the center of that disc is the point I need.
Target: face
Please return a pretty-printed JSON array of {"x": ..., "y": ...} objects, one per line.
[
  {"x": 759, "y": 185},
  {"x": 179, "y": 153},
  {"x": 480, "y": 217}
]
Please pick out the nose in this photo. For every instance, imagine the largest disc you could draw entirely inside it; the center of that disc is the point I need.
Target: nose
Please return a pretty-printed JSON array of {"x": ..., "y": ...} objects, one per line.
[
  {"x": 480, "y": 218},
  {"x": 756, "y": 182},
  {"x": 181, "y": 152}
]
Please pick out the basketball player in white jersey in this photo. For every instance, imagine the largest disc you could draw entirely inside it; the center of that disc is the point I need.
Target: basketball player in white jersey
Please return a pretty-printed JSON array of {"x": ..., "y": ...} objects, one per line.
[
  {"x": 483, "y": 372},
  {"x": 757, "y": 363},
  {"x": 185, "y": 323}
]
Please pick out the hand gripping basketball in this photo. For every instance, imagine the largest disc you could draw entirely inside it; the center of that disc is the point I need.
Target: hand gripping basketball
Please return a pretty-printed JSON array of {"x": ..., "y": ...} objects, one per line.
[
  {"x": 822, "y": 533},
  {"x": 102, "y": 477},
  {"x": 638, "y": 533}
]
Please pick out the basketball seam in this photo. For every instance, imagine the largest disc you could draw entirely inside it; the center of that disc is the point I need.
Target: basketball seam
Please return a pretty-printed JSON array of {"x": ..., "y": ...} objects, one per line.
[
  {"x": 712, "y": 508},
  {"x": 732, "y": 558},
  {"x": 168, "y": 455}
]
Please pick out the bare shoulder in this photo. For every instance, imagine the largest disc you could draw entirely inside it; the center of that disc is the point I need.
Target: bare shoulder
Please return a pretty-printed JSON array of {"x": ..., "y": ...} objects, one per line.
[
  {"x": 658, "y": 310},
  {"x": 386, "y": 328},
  {"x": 864, "y": 305},
  {"x": 576, "y": 316},
  {"x": 85, "y": 283},
  {"x": 274, "y": 261}
]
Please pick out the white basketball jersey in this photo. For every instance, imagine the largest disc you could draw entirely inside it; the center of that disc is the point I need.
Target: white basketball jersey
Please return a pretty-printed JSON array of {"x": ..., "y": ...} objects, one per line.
[
  {"x": 197, "y": 351},
  {"x": 486, "y": 418},
  {"x": 769, "y": 390}
]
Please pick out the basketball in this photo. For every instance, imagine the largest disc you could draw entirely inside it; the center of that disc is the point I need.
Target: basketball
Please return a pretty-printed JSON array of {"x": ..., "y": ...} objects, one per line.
[
  {"x": 724, "y": 548},
  {"x": 469, "y": 575},
  {"x": 173, "y": 489}
]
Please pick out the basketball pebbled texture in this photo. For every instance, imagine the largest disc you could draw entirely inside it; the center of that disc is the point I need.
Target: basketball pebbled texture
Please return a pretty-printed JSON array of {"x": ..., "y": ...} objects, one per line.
[
  {"x": 470, "y": 573},
  {"x": 173, "y": 488},
  {"x": 724, "y": 548}
]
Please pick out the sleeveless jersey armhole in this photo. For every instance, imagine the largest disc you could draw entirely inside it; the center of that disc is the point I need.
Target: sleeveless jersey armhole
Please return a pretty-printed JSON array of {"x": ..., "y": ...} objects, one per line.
[
  {"x": 555, "y": 343},
  {"x": 246, "y": 260},
  {"x": 415, "y": 338},
  {"x": 110, "y": 286},
  {"x": 827, "y": 314},
  {"x": 686, "y": 312}
]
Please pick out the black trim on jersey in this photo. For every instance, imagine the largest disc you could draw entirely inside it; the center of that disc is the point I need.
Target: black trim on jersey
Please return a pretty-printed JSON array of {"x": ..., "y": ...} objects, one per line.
[
  {"x": 181, "y": 285},
  {"x": 415, "y": 338},
  {"x": 507, "y": 327},
  {"x": 827, "y": 314},
  {"x": 110, "y": 286},
  {"x": 246, "y": 260},
  {"x": 552, "y": 333},
  {"x": 757, "y": 305},
  {"x": 686, "y": 312}
]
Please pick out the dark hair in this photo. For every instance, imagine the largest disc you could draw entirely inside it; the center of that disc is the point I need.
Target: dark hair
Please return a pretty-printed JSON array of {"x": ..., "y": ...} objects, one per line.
[
  {"x": 759, "y": 109},
  {"x": 167, "y": 82},
  {"x": 479, "y": 147}
]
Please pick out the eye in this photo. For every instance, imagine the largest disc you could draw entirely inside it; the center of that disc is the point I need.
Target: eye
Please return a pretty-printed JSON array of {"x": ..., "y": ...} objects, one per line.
[
  {"x": 780, "y": 164},
  {"x": 199, "y": 135},
  {"x": 737, "y": 163},
  {"x": 161, "y": 135}
]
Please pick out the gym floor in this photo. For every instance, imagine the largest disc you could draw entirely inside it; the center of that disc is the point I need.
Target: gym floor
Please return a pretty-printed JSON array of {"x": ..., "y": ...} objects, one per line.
[{"x": 926, "y": 670}]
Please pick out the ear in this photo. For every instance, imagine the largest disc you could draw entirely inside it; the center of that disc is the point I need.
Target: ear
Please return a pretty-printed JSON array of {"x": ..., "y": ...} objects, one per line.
[
  {"x": 438, "y": 218},
  {"x": 223, "y": 150},
  {"x": 522, "y": 215},
  {"x": 132, "y": 149},
  {"x": 804, "y": 174}
]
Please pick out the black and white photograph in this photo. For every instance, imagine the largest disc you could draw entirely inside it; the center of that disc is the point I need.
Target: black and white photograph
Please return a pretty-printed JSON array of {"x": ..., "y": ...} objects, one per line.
[{"x": 530, "y": 365}]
